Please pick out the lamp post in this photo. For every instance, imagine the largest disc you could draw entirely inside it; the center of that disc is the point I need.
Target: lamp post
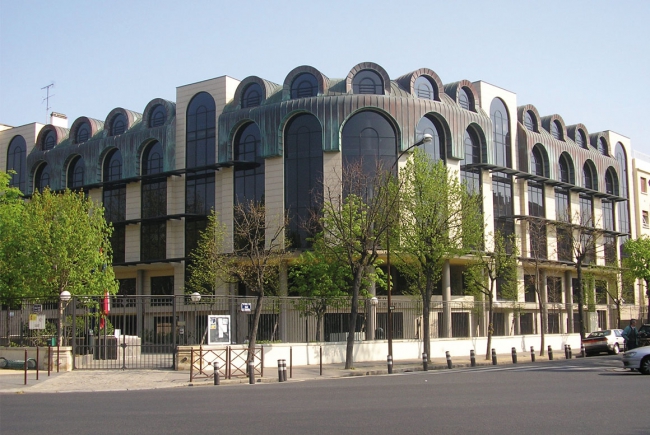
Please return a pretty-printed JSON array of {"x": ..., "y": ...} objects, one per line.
[
  {"x": 426, "y": 138},
  {"x": 64, "y": 298},
  {"x": 195, "y": 297}
]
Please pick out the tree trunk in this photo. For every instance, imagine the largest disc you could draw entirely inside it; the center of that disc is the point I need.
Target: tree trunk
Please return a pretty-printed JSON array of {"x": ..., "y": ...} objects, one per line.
[
  {"x": 256, "y": 322},
  {"x": 349, "y": 349},
  {"x": 647, "y": 293},
  {"x": 426, "y": 328},
  {"x": 490, "y": 327},
  {"x": 319, "y": 326},
  {"x": 581, "y": 308}
]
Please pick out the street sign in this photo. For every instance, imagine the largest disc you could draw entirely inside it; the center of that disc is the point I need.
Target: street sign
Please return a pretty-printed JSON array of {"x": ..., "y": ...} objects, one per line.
[
  {"x": 218, "y": 329},
  {"x": 392, "y": 308},
  {"x": 37, "y": 308},
  {"x": 37, "y": 321},
  {"x": 245, "y": 307}
]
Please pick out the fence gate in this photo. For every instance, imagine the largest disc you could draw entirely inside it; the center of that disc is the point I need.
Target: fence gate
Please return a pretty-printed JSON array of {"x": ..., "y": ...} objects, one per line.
[{"x": 122, "y": 332}]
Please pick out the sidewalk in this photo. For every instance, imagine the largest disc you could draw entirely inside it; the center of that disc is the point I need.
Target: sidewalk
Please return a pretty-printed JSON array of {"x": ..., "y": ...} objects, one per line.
[{"x": 12, "y": 381}]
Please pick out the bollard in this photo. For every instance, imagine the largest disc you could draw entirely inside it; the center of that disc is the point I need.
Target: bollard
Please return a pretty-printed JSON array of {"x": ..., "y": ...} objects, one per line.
[
  {"x": 389, "y": 362},
  {"x": 320, "y": 353},
  {"x": 26, "y": 366},
  {"x": 583, "y": 352},
  {"x": 494, "y": 357},
  {"x": 49, "y": 359},
  {"x": 566, "y": 351},
  {"x": 425, "y": 362},
  {"x": 279, "y": 370},
  {"x": 570, "y": 351},
  {"x": 284, "y": 370},
  {"x": 532, "y": 354},
  {"x": 472, "y": 358},
  {"x": 448, "y": 359},
  {"x": 514, "y": 355},
  {"x": 38, "y": 362},
  {"x": 550, "y": 353},
  {"x": 291, "y": 361},
  {"x": 216, "y": 373},
  {"x": 251, "y": 372}
]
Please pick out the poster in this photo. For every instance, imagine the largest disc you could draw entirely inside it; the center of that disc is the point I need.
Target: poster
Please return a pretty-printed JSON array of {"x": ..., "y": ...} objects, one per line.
[{"x": 218, "y": 329}]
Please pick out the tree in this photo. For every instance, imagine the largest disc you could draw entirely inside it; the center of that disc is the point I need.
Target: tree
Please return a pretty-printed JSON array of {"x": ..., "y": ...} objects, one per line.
[
  {"x": 637, "y": 262},
  {"x": 354, "y": 226},
  {"x": 13, "y": 258},
  {"x": 494, "y": 272},
  {"x": 438, "y": 219}
]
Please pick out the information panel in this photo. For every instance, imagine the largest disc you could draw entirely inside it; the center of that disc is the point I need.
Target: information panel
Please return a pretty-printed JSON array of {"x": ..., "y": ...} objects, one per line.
[{"x": 218, "y": 329}]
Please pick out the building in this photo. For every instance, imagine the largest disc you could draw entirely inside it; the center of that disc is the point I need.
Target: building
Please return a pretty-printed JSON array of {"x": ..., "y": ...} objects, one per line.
[{"x": 160, "y": 171}]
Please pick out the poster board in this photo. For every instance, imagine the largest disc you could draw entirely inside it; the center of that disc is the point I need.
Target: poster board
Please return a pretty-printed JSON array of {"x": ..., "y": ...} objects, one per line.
[{"x": 218, "y": 329}]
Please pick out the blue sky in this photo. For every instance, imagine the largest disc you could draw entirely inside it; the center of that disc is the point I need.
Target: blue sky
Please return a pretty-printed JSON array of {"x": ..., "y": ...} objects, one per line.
[{"x": 587, "y": 61}]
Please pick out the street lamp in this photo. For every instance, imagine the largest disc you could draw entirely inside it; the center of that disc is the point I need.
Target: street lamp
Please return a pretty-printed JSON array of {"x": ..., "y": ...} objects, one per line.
[
  {"x": 426, "y": 138},
  {"x": 195, "y": 297},
  {"x": 64, "y": 298}
]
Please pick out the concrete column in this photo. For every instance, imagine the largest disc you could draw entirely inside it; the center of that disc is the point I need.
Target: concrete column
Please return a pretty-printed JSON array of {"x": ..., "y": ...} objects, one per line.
[
  {"x": 284, "y": 292},
  {"x": 568, "y": 298},
  {"x": 446, "y": 300}
]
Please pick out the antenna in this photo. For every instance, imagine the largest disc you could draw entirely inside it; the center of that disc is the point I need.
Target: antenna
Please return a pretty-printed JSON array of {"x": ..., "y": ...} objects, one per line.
[{"x": 47, "y": 100}]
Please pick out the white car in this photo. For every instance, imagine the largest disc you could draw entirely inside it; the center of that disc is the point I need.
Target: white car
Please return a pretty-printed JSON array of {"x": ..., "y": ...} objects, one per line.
[
  {"x": 638, "y": 359},
  {"x": 609, "y": 340}
]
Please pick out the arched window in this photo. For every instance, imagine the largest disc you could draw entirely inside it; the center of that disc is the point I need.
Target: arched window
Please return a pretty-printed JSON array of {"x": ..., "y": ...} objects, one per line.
[
  {"x": 200, "y": 134},
  {"x": 565, "y": 170},
  {"x": 537, "y": 162},
  {"x": 83, "y": 133},
  {"x": 118, "y": 124},
  {"x": 114, "y": 201},
  {"x": 158, "y": 116},
  {"x": 303, "y": 175},
  {"x": 16, "y": 161},
  {"x": 252, "y": 96},
  {"x": 49, "y": 141},
  {"x": 530, "y": 121},
  {"x": 588, "y": 177},
  {"x": 556, "y": 130},
  {"x": 42, "y": 178},
  {"x": 501, "y": 133},
  {"x": 304, "y": 86},
  {"x": 465, "y": 99},
  {"x": 623, "y": 210},
  {"x": 249, "y": 177},
  {"x": 367, "y": 82},
  {"x": 580, "y": 139},
  {"x": 436, "y": 148},
  {"x": 610, "y": 183},
  {"x": 424, "y": 89},
  {"x": 370, "y": 140},
  {"x": 113, "y": 166},
  {"x": 602, "y": 146},
  {"x": 472, "y": 147},
  {"x": 153, "y": 159},
  {"x": 76, "y": 173},
  {"x": 153, "y": 236}
]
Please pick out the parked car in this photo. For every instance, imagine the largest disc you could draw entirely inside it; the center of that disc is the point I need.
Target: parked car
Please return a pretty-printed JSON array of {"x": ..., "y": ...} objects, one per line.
[
  {"x": 609, "y": 340},
  {"x": 638, "y": 359},
  {"x": 643, "y": 338}
]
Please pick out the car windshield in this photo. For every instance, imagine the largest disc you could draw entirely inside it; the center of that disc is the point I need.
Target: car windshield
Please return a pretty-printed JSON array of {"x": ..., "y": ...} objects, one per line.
[{"x": 598, "y": 334}]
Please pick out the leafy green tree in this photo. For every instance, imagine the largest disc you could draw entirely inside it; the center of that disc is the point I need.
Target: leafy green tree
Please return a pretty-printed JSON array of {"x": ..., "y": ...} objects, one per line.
[
  {"x": 438, "y": 219},
  {"x": 495, "y": 270},
  {"x": 637, "y": 262}
]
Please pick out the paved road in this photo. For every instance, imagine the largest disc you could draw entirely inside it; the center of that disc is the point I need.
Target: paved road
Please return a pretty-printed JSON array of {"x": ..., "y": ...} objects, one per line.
[{"x": 591, "y": 395}]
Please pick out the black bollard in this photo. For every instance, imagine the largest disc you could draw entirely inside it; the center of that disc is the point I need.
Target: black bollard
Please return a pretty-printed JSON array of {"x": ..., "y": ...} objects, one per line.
[
  {"x": 570, "y": 351},
  {"x": 494, "y": 357},
  {"x": 280, "y": 370},
  {"x": 389, "y": 362},
  {"x": 583, "y": 352},
  {"x": 251, "y": 372},
  {"x": 514, "y": 355},
  {"x": 566, "y": 351},
  {"x": 284, "y": 370},
  {"x": 216, "y": 373},
  {"x": 532, "y": 354},
  {"x": 425, "y": 362},
  {"x": 550, "y": 353},
  {"x": 448, "y": 359},
  {"x": 472, "y": 358}
]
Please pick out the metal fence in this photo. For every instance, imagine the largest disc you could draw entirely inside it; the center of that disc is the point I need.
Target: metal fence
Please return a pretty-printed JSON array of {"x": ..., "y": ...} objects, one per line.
[{"x": 145, "y": 331}]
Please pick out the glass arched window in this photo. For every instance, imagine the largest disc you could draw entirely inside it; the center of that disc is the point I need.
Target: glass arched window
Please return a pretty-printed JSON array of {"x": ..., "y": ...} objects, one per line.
[
  {"x": 464, "y": 99},
  {"x": 588, "y": 177},
  {"x": 303, "y": 175},
  {"x": 564, "y": 170},
  {"x": 153, "y": 233},
  {"x": 436, "y": 148},
  {"x": 424, "y": 89},
  {"x": 472, "y": 147},
  {"x": 249, "y": 176},
  {"x": 530, "y": 122},
  {"x": 556, "y": 130},
  {"x": 368, "y": 139},
  {"x": 580, "y": 139},
  {"x": 201, "y": 129},
  {"x": 158, "y": 116},
  {"x": 16, "y": 161},
  {"x": 76, "y": 173},
  {"x": 609, "y": 183},
  {"x": 42, "y": 178},
  {"x": 83, "y": 133},
  {"x": 252, "y": 96},
  {"x": 537, "y": 162},
  {"x": 114, "y": 201},
  {"x": 602, "y": 146},
  {"x": 153, "y": 159},
  {"x": 49, "y": 141},
  {"x": 304, "y": 86},
  {"x": 118, "y": 124},
  {"x": 622, "y": 206},
  {"x": 501, "y": 133},
  {"x": 113, "y": 166},
  {"x": 367, "y": 82}
]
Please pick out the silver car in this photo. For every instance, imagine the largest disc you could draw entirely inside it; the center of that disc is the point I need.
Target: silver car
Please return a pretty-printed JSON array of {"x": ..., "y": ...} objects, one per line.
[{"x": 638, "y": 359}]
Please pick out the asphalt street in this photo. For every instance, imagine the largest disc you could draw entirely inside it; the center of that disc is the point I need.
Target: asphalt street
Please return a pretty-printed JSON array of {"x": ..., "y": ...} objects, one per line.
[{"x": 591, "y": 395}]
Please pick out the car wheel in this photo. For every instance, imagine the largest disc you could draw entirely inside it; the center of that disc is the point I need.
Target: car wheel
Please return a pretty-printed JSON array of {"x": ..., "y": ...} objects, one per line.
[
  {"x": 645, "y": 366},
  {"x": 615, "y": 350}
]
